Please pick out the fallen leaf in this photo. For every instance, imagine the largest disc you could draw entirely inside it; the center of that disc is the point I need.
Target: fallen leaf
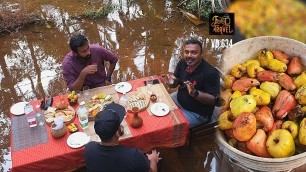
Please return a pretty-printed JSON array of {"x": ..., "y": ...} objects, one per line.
[{"x": 195, "y": 20}]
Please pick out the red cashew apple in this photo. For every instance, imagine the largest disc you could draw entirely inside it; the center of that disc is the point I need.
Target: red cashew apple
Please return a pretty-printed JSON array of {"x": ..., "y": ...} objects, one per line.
[
  {"x": 281, "y": 56},
  {"x": 286, "y": 81},
  {"x": 264, "y": 118},
  {"x": 295, "y": 66},
  {"x": 277, "y": 125},
  {"x": 267, "y": 75},
  {"x": 244, "y": 126},
  {"x": 244, "y": 84},
  {"x": 284, "y": 103},
  {"x": 258, "y": 144}
]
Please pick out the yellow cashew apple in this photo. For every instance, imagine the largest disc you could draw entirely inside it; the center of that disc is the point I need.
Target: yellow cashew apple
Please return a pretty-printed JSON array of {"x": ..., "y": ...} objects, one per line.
[
  {"x": 292, "y": 127},
  {"x": 272, "y": 88},
  {"x": 280, "y": 144},
  {"x": 246, "y": 103},
  {"x": 225, "y": 120},
  {"x": 264, "y": 56},
  {"x": 261, "y": 97},
  {"x": 300, "y": 95},
  {"x": 300, "y": 80},
  {"x": 302, "y": 132},
  {"x": 277, "y": 66}
]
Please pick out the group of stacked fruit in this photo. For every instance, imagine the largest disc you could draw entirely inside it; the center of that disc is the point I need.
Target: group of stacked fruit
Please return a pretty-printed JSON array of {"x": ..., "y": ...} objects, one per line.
[
  {"x": 72, "y": 98},
  {"x": 265, "y": 105}
]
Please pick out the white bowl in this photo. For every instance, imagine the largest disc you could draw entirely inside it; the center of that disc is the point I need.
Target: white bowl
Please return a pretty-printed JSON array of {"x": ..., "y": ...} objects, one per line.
[{"x": 238, "y": 53}]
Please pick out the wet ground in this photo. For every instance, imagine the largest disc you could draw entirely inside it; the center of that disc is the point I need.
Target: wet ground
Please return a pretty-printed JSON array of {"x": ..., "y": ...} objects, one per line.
[{"x": 145, "y": 35}]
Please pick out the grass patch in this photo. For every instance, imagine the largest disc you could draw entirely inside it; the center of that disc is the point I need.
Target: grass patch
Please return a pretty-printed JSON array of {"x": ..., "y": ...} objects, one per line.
[
  {"x": 98, "y": 13},
  {"x": 202, "y": 9}
]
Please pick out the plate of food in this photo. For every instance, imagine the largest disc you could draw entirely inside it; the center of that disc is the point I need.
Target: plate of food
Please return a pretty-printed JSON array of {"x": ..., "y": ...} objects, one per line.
[
  {"x": 18, "y": 108},
  {"x": 63, "y": 110},
  {"x": 160, "y": 109},
  {"x": 96, "y": 103},
  {"x": 136, "y": 99},
  {"x": 77, "y": 140},
  {"x": 123, "y": 87}
]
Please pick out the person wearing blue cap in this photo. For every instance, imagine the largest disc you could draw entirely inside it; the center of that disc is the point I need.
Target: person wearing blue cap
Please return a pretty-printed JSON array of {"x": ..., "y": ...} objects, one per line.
[{"x": 109, "y": 155}]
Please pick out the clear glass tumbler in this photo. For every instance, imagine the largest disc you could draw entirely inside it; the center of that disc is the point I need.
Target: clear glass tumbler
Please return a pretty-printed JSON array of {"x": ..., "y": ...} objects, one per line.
[{"x": 40, "y": 118}]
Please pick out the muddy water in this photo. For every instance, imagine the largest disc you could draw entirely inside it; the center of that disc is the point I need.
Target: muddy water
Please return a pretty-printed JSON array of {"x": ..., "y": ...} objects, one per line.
[{"x": 145, "y": 35}]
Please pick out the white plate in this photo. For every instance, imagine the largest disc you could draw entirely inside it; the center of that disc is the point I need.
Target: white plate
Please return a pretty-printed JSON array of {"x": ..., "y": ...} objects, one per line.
[
  {"x": 77, "y": 140},
  {"x": 18, "y": 108},
  {"x": 123, "y": 87},
  {"x": 159, "y": 109}
]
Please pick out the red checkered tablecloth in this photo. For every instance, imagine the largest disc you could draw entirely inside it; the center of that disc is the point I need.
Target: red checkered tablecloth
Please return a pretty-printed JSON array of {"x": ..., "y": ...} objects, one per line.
[{"x": 55, "y": 155}]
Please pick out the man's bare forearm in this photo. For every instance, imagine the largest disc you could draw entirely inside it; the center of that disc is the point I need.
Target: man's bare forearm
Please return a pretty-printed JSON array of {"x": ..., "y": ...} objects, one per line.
[
  {"x": 77, "y": 85},
  {"x": 111, "y": 69},
  {"x": 205, "y": 98}
]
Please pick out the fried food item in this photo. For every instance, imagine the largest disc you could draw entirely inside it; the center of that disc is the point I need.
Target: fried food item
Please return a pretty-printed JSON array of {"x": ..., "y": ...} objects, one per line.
[
  {"x": 57, "y": 114},
  {"x": 72, "y": 128},
  {"x": 67, "y": 113},
  {"x": 61, "y": 106}
]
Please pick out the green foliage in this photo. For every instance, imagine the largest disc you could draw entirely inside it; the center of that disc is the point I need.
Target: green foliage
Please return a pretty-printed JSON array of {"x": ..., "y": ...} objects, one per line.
[
  {"x": 98, "y": 13},
  {"x": 204, "y": 10}
]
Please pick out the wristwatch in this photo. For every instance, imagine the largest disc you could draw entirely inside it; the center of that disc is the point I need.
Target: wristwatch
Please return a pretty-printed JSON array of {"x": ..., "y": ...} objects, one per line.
[
  {"x": 196, "y": 93},
  {"x": 108, "y": 78}
]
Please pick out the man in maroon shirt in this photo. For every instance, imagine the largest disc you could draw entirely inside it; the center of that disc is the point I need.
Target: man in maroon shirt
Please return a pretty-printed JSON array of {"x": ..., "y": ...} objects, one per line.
[{"x": 84, "y": 65}]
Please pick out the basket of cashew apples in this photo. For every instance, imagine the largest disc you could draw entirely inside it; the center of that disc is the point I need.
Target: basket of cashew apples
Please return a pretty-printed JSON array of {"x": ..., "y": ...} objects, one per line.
[{"x": 262, "y": 123}]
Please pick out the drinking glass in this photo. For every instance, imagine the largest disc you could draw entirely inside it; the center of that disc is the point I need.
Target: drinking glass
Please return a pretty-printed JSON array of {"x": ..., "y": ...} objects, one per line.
[
  {"x": 124, "y": 77},
  {"x": 40, "y": 119},
  {"x": 124, "y": 101},
  {"x": 149, "y": 87},
  {"x": 86, "y": 92},
  {"x": 170, "y": 79}
]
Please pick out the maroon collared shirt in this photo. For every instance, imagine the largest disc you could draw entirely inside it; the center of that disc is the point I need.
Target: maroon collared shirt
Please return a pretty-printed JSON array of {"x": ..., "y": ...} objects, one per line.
[{"x": 72, "y": 66}]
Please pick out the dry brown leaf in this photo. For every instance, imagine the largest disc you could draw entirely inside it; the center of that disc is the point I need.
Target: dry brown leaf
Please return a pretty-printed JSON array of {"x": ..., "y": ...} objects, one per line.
[{"x": 195, "y": 20}]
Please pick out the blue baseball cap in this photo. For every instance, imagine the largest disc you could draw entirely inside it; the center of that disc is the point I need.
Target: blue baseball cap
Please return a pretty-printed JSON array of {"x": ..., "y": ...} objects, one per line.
[{"x": 107, "y": 121}]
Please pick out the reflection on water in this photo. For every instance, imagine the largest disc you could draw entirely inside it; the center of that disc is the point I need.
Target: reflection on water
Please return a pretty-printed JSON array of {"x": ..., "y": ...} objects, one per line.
[{"x": 145, "y": 34}]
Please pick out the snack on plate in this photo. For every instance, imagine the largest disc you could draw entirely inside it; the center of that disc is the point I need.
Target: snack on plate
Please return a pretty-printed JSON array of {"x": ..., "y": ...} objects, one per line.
[
  {"x": 95, "y": 103},
  {"x": 137, "y": 100},
  {"x": 51, "y": 113},
  {"x": 72, "y": 128},
  {"x": 61, "y": 106}
]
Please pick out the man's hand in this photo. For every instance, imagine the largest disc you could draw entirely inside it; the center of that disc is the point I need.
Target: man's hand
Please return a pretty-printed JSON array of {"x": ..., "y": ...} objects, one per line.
[
  {"x": 190, "y": 88},
  {"x": 153, "y": 158},
  {"x": 107, "y": 82},
  {"x": 90, "y": 69},
  {"x": 168, "y": 78}
]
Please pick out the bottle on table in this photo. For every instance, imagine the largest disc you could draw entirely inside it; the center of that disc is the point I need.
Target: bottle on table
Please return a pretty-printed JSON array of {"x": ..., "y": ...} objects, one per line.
[
  {"x": 30, "y": 115},
  {"x": 82, "y": 112}
]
